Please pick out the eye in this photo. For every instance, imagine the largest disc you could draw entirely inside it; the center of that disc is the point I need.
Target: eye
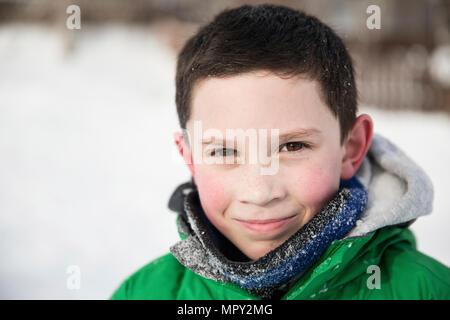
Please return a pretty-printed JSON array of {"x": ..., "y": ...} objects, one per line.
[
  {"x": 223, "y": 152},
  {"x": 293, "y": 146}
]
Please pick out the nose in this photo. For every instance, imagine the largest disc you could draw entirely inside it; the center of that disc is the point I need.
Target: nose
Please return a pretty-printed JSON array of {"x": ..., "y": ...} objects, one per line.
[{"x": 258, "y": 189}]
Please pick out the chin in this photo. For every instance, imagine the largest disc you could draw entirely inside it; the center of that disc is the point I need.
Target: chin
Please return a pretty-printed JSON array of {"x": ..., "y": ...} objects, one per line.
[
  {"x": 263, "y": 250},
  {"x": 255, "y": 249}
]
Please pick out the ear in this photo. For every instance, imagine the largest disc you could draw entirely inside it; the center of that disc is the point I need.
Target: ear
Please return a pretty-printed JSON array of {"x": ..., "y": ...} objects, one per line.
[
  {"x": 356, "y": 146},
  {"x": 184, "y": 150}
]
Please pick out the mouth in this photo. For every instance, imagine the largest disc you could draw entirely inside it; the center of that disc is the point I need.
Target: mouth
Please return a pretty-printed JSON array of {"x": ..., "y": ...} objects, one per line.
[{"x": 267, "y": 225}]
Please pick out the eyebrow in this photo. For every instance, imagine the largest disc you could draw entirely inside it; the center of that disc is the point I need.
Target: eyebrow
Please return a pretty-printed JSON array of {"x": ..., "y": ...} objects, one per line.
[
  {"x": 296, "y": 133},
  {"x": 300, "y": 132}
]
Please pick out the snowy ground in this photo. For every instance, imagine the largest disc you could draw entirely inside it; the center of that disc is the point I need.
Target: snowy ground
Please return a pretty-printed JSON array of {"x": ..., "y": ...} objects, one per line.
[{"x": 87, "y": 162}]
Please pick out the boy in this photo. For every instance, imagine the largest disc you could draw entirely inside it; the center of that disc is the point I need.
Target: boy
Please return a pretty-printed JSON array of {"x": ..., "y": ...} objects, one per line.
[{"x": 330, "y": 221}]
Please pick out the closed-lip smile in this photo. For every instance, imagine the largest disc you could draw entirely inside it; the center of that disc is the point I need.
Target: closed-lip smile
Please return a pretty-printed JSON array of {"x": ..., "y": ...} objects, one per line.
[{"x": 265, "y": 225}]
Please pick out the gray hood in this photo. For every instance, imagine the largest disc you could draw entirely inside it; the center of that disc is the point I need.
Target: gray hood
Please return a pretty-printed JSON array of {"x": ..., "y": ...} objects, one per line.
[{"x": 399, "y": 190}]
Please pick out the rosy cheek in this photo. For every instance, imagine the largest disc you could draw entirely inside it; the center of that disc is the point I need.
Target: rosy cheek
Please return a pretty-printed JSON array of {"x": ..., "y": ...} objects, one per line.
[
  {"x": 212, "y": 195},
  {"x": 316, "y": 185}
]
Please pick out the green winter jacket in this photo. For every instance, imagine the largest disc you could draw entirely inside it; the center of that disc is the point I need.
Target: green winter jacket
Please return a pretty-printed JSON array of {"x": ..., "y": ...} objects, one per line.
[
  {"x": 345, "y": 271},
  {"x": 377, "y": 259}
]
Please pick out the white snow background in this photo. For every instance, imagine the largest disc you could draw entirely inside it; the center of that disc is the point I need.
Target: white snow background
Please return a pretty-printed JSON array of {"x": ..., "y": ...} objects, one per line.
[{"x": 87, "y": 159}]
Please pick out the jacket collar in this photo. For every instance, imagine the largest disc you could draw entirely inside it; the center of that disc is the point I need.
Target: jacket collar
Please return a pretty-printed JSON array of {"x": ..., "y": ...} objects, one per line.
[{"x": 399, "y": 191}]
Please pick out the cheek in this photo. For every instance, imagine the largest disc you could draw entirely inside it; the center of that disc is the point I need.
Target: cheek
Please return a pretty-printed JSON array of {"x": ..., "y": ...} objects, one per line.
[
  {"x": 212, "y": 194},
  {"x": 317, "y": 184}
]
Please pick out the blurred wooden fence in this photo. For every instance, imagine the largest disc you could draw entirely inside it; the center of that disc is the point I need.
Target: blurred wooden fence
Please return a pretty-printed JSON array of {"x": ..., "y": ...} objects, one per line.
[{"x": 399, "y": 78}]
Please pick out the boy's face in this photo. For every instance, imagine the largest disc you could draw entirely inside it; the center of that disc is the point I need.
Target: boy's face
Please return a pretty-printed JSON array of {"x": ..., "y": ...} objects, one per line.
[{"x": 259, "y": 212}]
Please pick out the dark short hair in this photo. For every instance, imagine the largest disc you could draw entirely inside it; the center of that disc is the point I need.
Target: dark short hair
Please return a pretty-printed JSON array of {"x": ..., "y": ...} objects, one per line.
[{"x": 269, "y": 37}]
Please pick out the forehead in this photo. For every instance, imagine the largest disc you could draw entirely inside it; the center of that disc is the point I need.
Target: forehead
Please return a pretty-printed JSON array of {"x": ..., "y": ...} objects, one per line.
[{"x": 259, "y": 100}]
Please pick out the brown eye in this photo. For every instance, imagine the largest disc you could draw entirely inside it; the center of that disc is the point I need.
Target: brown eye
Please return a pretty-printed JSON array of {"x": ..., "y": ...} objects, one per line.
[{"x": 292, "y": 146}]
